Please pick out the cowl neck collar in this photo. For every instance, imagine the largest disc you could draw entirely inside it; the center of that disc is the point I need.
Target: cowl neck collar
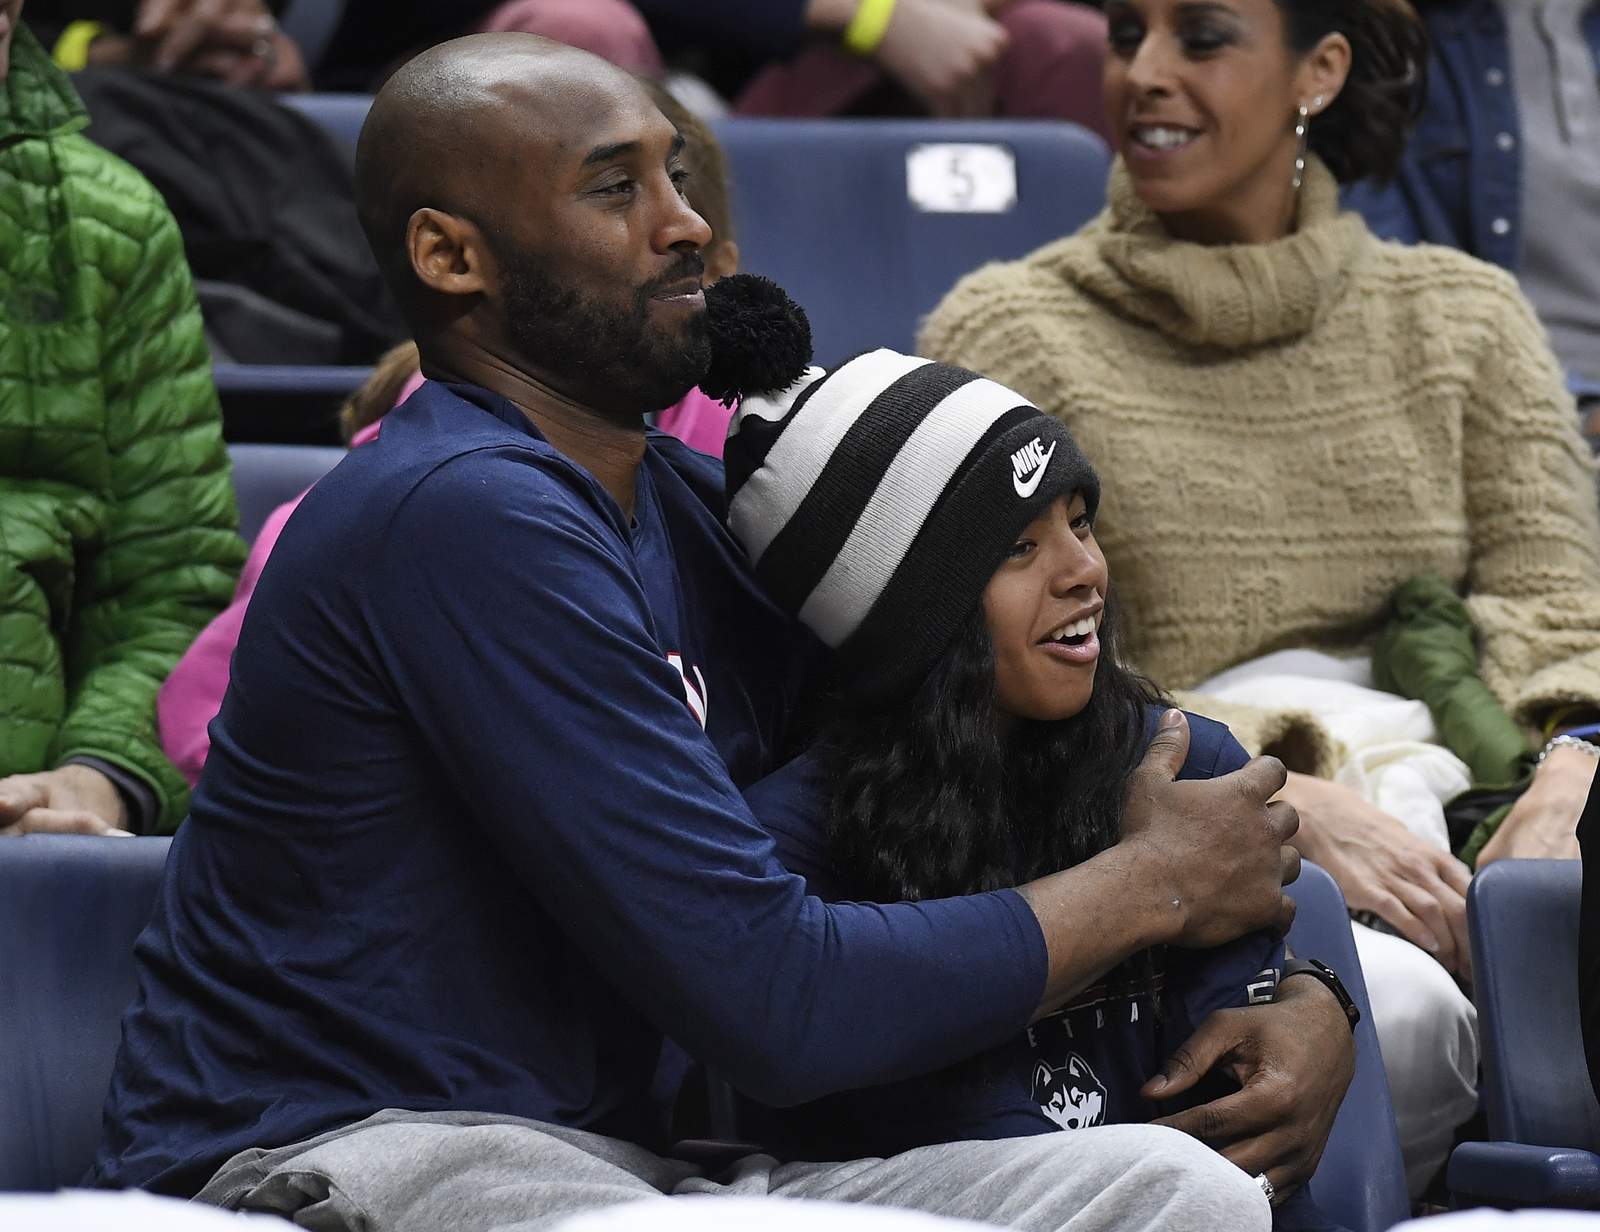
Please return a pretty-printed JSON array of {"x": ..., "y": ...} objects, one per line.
[{"x": 1226, "y": 295}]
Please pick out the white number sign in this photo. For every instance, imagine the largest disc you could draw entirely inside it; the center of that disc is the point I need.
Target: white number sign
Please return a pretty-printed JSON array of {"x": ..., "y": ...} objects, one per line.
[{"x": 954, "y": 178}]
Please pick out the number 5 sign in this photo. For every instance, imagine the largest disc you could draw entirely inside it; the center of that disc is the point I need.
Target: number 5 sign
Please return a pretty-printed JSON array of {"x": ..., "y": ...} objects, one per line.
[{"x": 951, "y": 178}]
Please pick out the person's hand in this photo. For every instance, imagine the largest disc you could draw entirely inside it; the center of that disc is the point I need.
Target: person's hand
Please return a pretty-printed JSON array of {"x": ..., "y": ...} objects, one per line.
[
  {"x": 234, "y": 41},
  {"x": 1293, "y": 1061},
  {"x": 1543, "y": 823},
  {"x": 1416, "y": 888},
  {"x": 1218, "y": 848},
  {"x": 942, "y": 52},
  {"x": 72, "y": 800}
]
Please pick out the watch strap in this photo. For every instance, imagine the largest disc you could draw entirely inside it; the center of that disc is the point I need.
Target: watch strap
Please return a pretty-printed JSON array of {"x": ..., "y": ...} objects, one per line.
[{"x": 1329, "y": 979}]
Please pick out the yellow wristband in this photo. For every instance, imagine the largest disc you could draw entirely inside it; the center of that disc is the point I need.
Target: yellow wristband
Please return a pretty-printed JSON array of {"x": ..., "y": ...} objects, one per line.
[
  {"x": 72, "y": 48},
  {"x": 865, "y": 32}
]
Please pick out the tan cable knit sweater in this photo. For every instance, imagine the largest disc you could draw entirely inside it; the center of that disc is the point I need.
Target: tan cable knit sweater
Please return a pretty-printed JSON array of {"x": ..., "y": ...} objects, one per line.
[{"x": 1288, "y": 431}]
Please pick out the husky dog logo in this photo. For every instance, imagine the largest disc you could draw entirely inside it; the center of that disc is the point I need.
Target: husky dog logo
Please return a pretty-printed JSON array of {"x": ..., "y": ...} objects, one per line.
[
  {"x": 1028, "y": 466},
  {"x": 1071, "y": 1096}
]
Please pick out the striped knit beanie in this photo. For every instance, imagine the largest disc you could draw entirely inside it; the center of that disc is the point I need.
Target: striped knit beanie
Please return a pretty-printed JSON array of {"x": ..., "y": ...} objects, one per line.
[{"x": 877, "y": 500}]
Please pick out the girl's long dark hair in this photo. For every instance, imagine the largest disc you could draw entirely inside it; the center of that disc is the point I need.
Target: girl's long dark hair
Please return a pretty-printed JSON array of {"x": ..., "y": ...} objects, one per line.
[{"x": 937, "y": 795}]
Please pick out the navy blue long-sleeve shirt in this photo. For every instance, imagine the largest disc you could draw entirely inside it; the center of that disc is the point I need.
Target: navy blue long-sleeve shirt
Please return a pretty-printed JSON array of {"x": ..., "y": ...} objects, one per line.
[{"x": 462, "y": 841}]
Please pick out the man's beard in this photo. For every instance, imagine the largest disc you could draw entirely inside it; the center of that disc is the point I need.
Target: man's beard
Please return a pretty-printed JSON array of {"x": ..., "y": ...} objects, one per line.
[{"x": 614, "y": 360}]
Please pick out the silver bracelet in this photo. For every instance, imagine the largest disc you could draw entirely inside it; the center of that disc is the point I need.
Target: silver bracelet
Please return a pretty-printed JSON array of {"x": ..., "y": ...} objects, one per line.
[{"x": 1576, "y": 742}]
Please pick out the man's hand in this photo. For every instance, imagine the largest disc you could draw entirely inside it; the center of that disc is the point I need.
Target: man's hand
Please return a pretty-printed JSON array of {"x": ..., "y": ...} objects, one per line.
[
  {"x": 1543, "y": 823},
  {"x": 1217, "y": 848},
  {"x": 943, "y": 53},
  {"x": 1293, "y": 1061},
  {"x": 71, "y": 800},
  {"x": 1415, "y": 887},
  {"x": 1199, "y": 864}
]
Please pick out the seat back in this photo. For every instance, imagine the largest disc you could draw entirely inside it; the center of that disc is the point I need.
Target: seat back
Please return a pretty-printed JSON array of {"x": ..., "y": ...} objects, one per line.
[
  {"x": 1361, "y": 1180},
  {"x": 825, "y": 209},
  {"x": 1523, "y": 920},
  {"x": 341, "y": 115},
  {"x": 265, "y": 476},
  {"x": 70, "y": 910}
]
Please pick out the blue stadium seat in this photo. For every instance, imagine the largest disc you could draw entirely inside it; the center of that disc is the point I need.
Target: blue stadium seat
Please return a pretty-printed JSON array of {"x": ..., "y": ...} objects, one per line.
[
  {"x": 342, "y": 115},
  {"x": 1544, "y": 1121},
  {"x": 1361, "y": 1181},
  {"x": 264, "y": 476},
  {"x": 822, "y": 207},
  {"x": 70, "y": 909}
]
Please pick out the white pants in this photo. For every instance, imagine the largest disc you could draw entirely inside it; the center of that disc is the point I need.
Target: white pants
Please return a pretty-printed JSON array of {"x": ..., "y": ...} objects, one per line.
[{"x": 1428, "y": 1033}]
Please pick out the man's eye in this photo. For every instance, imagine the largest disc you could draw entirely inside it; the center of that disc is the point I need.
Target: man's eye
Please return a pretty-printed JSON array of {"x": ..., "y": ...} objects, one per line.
[{"x": 618, "y": 188}]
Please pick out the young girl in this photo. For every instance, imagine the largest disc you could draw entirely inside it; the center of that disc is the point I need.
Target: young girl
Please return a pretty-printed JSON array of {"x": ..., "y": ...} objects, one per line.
[{"x": 937, "y": 532}]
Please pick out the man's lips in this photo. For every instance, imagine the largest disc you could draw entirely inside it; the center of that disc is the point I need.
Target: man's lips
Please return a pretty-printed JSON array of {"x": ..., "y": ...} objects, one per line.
[{"x": 677, "y": 290}]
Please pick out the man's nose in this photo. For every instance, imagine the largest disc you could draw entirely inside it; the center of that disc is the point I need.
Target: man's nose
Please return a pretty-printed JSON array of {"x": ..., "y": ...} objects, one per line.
[{"x": 681, "y": 226}]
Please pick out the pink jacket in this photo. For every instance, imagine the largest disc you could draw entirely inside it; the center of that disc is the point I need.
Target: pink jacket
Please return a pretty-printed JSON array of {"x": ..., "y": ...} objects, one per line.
[{"x": 192, "y": 695}]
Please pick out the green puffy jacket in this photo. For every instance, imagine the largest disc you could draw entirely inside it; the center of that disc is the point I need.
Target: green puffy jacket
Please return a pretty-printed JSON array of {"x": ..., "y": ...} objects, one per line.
[{"x": 118, "y": 531}]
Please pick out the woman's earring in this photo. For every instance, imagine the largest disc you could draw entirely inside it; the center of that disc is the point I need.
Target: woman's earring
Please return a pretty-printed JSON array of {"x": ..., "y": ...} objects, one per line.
[{"x": 1302, "y": 126}]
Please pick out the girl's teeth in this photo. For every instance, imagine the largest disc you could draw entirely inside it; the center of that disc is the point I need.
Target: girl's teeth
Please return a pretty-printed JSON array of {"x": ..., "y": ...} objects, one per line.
[{"x": 1081, "y": 628}]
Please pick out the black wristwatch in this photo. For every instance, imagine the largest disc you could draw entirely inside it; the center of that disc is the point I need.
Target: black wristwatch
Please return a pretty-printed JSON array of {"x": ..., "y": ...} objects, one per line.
[{"x": 1329, "y": 980}]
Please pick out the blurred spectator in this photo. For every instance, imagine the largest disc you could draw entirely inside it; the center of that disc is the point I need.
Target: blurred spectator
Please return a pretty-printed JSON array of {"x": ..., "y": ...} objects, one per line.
[
  {"x": 239, "y": 42},
  {"x": 1505, "y": 162},
  {"x": 117, "y": 523},
  {"x": 1294, "y": 419},
  {"x": 1037, "y": 58},
  {"x": 192, "y": 695}
]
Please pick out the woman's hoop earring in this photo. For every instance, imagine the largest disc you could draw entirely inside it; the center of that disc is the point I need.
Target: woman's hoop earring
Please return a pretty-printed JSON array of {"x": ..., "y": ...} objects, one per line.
[{"x": 1301, "y": 128}]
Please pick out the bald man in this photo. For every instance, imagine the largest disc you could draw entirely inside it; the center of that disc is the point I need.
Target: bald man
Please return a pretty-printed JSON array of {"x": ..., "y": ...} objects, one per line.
[{"x": 470, "y": 840}]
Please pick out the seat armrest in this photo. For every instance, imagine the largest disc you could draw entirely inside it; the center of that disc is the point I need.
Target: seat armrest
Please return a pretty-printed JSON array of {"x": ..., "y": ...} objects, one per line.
[{"x": 1513, "y": 1174}]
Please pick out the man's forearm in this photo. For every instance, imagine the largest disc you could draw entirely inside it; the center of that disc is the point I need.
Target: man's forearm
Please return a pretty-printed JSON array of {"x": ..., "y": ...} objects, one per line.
[{"x": 1094, "y": 916}]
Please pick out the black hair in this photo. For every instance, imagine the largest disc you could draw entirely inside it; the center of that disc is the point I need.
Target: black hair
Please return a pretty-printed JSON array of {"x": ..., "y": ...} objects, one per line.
[
  {"x": 1363, "y": 132},
  {"x": 937, "y": 794}
]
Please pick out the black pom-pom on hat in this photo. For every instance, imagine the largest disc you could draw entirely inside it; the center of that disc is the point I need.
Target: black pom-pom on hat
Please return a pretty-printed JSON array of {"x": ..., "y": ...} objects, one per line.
[{"x": 760, "y": 338}]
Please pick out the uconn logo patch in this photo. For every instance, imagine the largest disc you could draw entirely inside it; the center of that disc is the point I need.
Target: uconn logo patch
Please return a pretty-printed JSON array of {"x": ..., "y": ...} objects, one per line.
[
  {"x": 1071, "y": 1096},
  {"x": 1028, "y": 465}
]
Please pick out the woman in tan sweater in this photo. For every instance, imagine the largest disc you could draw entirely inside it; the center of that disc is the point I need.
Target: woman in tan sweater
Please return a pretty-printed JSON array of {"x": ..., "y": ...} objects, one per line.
[{"x": 1295, "y": 418}]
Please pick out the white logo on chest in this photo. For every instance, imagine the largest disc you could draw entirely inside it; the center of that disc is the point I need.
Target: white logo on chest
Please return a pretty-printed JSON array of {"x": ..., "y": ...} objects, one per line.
[
  {"x": 699, "y": 698},
  {"x": 1028, "y": 466}
]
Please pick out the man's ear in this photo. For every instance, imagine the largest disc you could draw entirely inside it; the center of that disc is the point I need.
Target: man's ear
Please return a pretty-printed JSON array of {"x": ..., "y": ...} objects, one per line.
[{"x": 447, "y": 253}]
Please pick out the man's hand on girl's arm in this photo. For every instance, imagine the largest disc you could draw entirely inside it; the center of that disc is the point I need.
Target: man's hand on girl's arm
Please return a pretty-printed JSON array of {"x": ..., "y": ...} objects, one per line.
[
  {"x": 1293, "y": 1061},
  {"x": 1200, "y": 863}
]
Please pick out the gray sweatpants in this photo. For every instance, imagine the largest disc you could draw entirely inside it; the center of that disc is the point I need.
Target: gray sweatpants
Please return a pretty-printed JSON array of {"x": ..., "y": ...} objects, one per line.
[{"x": 475, "y": 1172}]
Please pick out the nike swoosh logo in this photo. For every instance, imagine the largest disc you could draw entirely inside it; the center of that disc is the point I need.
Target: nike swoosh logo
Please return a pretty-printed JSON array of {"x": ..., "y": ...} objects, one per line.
[{"x": 1026, "y": 488}]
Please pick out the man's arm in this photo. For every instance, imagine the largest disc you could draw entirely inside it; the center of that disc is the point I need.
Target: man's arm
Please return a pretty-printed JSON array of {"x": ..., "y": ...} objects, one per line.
[{"x": 527, "y": 654}]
